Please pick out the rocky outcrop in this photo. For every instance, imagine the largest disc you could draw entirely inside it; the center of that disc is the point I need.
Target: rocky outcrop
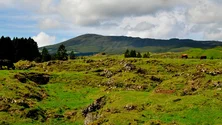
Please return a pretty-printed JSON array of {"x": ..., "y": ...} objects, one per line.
[
  {"x": 90, "y": 111},
  {"x": 36, "y": 114},
  {"x": 39, "y": 78}
]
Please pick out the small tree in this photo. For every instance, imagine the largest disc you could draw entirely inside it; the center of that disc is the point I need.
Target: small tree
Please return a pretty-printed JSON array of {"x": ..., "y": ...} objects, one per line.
[
  {"x": 61, "y": 53},
  {"x": 45, "y": 55},
  {"x": 72, "y": 55},
  {"x": 133, "y": 53},
  {"x": 126, "y": 54},
  {"x": 53, "y": 56},
  {"x": 138, "y": 55}
]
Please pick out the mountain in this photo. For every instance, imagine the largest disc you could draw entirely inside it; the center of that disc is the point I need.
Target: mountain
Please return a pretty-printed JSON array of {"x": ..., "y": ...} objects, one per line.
[{"x": 93, "y": 43}]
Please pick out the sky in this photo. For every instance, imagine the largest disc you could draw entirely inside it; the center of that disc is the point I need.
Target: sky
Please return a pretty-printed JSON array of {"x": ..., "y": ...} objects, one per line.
[{"x": 53, "y": 21}]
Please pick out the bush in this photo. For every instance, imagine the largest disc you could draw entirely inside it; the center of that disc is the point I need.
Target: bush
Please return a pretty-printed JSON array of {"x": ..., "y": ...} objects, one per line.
[{"x": 146, "y": 55}]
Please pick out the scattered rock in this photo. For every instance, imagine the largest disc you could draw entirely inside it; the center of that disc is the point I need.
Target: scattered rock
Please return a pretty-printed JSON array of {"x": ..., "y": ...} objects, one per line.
[
  {"x": 129, "y": 67},
  {"x": 110, "y": 82},
  {"x": 130, "y": 107},
  {"x": 107, "y": 73},
  {"x": 91, "y": 117},
  {"x": 202, "y": 69}
]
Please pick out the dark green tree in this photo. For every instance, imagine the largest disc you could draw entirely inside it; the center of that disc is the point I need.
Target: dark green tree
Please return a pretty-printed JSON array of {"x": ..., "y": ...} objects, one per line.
[
  {"x": 139, "y": 55},
  {"x": 18, "y": 49},
  {"x": 133, "y": 53},
  {"x": 45, "y": 55},
  {"x": 61, "y": 53},
  {"x": 127, "y": 54},
  {"x": 72, "y": 55}
]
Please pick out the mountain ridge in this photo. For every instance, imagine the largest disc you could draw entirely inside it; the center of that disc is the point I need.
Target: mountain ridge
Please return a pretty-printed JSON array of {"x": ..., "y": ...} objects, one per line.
[{"x": 95, "y": 43}]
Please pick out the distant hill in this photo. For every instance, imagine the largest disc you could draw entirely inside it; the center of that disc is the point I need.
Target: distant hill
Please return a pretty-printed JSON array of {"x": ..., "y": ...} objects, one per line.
[{"x": 92, "y": 43}]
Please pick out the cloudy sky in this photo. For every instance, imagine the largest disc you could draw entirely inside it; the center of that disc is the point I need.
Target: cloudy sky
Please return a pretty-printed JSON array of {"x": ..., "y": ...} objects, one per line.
[{"x": 53, "y": 21}]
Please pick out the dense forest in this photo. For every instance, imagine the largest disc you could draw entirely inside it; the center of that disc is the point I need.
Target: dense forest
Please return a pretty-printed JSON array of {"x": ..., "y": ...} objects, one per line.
[{"x": 18, "y": 49}]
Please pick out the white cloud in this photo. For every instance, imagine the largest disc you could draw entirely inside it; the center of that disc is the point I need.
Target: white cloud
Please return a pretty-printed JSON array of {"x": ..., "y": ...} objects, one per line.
[
  {"x": 44, "y": 39},
  {"x": 161, "y": 25},
  {"x": 6, "y": 3},
  {"x": 206, "y": 11},
  {"x": 49, "y": 24},
  {"x": 88, "y": 12},
  {"x": 215, "y": 35},
  {"x": 139, "y": 18}
]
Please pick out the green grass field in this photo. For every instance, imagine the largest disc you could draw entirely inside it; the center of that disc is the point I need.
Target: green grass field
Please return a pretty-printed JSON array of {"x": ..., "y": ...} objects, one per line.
[{"x": 137, "y": 91}]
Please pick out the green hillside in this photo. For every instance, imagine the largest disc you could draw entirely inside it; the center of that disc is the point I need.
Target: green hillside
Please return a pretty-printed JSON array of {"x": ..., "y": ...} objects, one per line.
[
  {"x": 91, "y": 43},
  {"x": 104, "y": 89}
]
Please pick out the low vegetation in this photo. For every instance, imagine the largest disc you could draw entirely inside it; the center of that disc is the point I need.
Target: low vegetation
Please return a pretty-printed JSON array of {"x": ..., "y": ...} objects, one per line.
[{"x": 111, "y": 89}]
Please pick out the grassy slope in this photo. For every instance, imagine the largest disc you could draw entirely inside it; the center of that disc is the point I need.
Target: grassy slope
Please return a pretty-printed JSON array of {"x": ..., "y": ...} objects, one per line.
[
  {"x": 76, "y": 84},
  {"x": 210, "y": 53},
  {"x": 193, "y": 53}
]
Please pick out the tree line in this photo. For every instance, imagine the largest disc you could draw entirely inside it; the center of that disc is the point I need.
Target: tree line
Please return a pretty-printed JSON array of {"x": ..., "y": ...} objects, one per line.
[
  {"x": 134, "y": 54},
  {"x": 27, "y": 49},
  {"x": 18, "y": 49}
]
